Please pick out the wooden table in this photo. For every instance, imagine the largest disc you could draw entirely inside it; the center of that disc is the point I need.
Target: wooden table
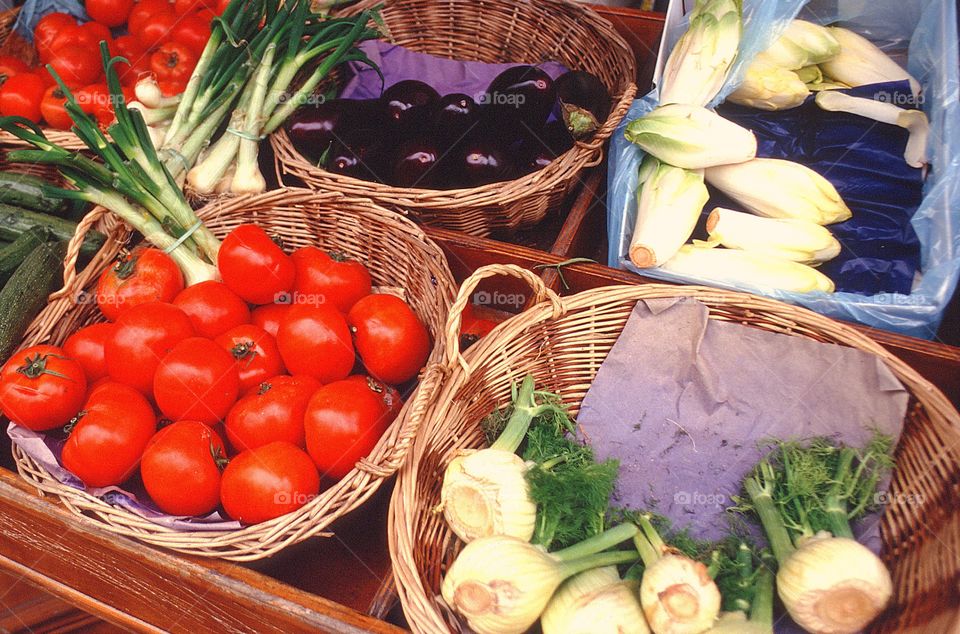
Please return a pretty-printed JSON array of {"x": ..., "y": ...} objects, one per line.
[{"x": 336, "y": 584}]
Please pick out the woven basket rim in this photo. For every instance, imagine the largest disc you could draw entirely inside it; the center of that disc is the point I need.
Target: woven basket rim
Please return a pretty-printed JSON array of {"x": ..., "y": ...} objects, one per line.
[
  {"x": 344, "y": 496},
  {"x": 407, "y": 502}
]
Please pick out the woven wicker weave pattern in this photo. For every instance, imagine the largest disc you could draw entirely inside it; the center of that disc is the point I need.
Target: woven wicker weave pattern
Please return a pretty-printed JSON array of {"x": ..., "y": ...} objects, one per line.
[
  {"x": 397, "y": 254},
  {"x": 496, "y": 31},
  {"x": 562, "y": 342}
]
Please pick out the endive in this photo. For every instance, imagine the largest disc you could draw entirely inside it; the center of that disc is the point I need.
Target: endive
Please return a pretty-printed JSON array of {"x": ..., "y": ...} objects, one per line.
[
  {"x": 788, "y": 238},
  {"x": 669, "y": 203},
  {"x": 780, "y": 189},
  {"x": 736, "y": 267},
  {"x": 768, "y": 86},
  {"x": 802, "y": 44},
  {"x": 860, "y": 62},
  {"x": 699, "y": 63},
  {"x": 691, "y": 137}
]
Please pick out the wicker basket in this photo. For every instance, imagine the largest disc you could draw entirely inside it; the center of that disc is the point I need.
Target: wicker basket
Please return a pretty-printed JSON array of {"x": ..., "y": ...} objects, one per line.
[
  {"x": 13, "y": 44},
  {"x": 397, "y": 254},
  {"x": 562, "y": 342},
  {"x": 492, "y": 31}
]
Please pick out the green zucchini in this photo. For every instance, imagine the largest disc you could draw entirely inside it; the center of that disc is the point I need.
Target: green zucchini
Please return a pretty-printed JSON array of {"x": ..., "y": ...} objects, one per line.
[
  {"x": 25, "y": 293},
  {"x": 15, "y": 221},
  {"x": 13, "y": 254},
  {"x": 26, "y": 190}
]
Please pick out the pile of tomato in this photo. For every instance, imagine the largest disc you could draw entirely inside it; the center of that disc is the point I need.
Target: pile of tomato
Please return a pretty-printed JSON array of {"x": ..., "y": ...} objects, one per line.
[
  {"x": 243, "y": 396},
  {"x": 158, "y": 37}
]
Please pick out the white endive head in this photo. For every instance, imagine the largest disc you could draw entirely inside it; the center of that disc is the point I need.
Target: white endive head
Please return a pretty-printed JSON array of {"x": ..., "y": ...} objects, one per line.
[
  {"x": 768, "y": 86},
  {"x": 698, "y": 65},
  {"x": 669, "y": 203},
  {"x": 833, "y": 585},
  {"x": 860, "y": 62},
  {"x": 595, "y": 602},
  {"x": 802, "y": 44},
  {"x": 678, "y": 596},
  {"x": 788, "y": 238},
  {"x": 736, "y": 267},
  {"x": 485, "y": 493},
  {"x": 501, "y": 584},
  {"x": 780, "y": 189},
  {"x": 691, "y": 137}
]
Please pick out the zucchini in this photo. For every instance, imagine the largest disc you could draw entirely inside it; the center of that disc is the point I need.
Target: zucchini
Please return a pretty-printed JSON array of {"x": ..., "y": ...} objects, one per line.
[
  {"x": 13, "y": 254},
  {"x": 25, "y": 293},
  {"x": 26, "y": 190},
  {"x": 15, "y": 221}
]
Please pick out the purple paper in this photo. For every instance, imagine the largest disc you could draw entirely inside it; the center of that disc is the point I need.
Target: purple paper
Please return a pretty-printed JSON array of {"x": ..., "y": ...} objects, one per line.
[
  {"x": 445, "y": 75},
  {"x": 684, "y": 402},
  {"x": 46, "y": 452}
]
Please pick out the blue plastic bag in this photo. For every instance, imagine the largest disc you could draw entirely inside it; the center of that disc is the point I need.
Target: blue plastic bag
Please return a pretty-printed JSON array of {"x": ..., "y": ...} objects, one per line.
[{"x": 928, "y": 29}]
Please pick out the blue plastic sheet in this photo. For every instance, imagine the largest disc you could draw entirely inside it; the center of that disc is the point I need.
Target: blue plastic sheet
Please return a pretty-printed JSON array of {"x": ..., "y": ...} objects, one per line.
[
  {"x": 927, "y": 31},
  {"x": 33, "y": 10}
]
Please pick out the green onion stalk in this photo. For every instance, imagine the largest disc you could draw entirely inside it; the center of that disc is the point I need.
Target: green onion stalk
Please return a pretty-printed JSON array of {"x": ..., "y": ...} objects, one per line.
[
  {"x": 805, "y": 498},
  {"x": 129, "y": 179},
  {"x": 243, "y": 79}
]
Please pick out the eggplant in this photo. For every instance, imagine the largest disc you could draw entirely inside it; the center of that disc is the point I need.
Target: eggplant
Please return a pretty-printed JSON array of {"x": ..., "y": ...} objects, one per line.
[
  {"x": 408, "y": 105},
  {"x": 519, "y": 97},
  {"x": 537, "y": 150},
  {"x": 313, "y": 129},
  {"x": 416, "y": 163},
  {"x": 583, "y": 102},
  {"x": 479, "y": 160},
  {"x": 359, "y": 153},
  {"x": 453, "y": 118}
]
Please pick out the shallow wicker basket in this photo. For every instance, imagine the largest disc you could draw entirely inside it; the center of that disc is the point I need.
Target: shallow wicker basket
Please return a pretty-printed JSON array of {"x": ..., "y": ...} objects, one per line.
[
  {"x": 397, "y": 254},
  {"x": 13, "y": 44},
  {"x": 532, "y": 31},
  {"x": 562, "y": 342}
]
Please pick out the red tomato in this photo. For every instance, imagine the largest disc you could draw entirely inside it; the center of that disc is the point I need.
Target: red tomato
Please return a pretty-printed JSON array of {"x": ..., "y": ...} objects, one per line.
[
  {"x": 181, "y": 467},
  {"x": 145, "y": 275},
  {"x": 41, "y": 388},
  {"x": 156, "y": 30},
  {"x": 142, "y": 12},
  {"x": 88, "y": 36},
  {"x": 171, "y": 88},
  {"x": 254, "y": 267},
  {"x": 134, "y": 71},
  {"x": 53, "y": 109},
  {"x": 273, "y": 411},
  {"x": 96, "y": 32},
  {"x": 222, "y": 6},
  {"x": 129, "y": 47},
  {"x": 213, "y": 308},
  {"x": 267, "y": 482},
  {"x": 473, "y": 327},
  {"x": 183, "y": 7},
  {"x": 255, "y": 352},
  {"x": 389, "y": 394},
  {"x": 315, "y": 340},
  {"x": 322, "y": 279},
  {"x": 77, "y": 64},
  {"x": 46, "y": 31},
  {"x": 196, "y": 380},
  {"x": 192, "y": 31},
  {"x": 10, "y": 66},
  {"x": 343, "y": 422},
  {"x": 21, "y": 96},
  {"x": 144, "y": 335},
  {"x": 96, "y": 101},
  {"x": 390, "y": 339},
  {"x": 105, "y": 445},
  {"x": 86, "y": 347},
  {"x": 173, "y": 62},
  {"x": 268, "y": 316},
  {"x": 302, "y": 381},
  {"x": 109, "y": 12}
]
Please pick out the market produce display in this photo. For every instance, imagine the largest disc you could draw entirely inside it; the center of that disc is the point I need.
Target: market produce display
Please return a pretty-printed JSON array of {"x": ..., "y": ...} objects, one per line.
[
  {"x": 689, "y": 148},
  {"x": 556, "y": 496}
]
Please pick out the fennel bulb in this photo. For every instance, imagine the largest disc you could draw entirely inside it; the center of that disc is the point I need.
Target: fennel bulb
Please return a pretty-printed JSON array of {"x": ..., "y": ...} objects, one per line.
[{"x": 596, "y": 601}]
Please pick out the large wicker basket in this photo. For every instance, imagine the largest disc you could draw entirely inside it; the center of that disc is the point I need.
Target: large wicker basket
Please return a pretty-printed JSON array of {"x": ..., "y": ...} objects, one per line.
[
  {"x": 562, "y": 342},
  {"x": 397, "y": 254},
  {"x": 13, "y": 44},
  {"x": 492, "y": 31}
]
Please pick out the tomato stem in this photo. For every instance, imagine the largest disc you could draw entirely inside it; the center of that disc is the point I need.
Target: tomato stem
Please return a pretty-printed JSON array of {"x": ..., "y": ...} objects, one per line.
[
  {"x": 68, "y": 428},
  {"x": 218, "y": 458},
  {"x": 35, "y": 367},
  {"x": 265, "y": 387}
]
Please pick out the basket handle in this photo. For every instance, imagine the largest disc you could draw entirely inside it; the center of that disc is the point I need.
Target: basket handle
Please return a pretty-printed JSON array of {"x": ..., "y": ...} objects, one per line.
[
  {"x": 73, "y": 251},
  {"x": 452, "y": 334}
]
